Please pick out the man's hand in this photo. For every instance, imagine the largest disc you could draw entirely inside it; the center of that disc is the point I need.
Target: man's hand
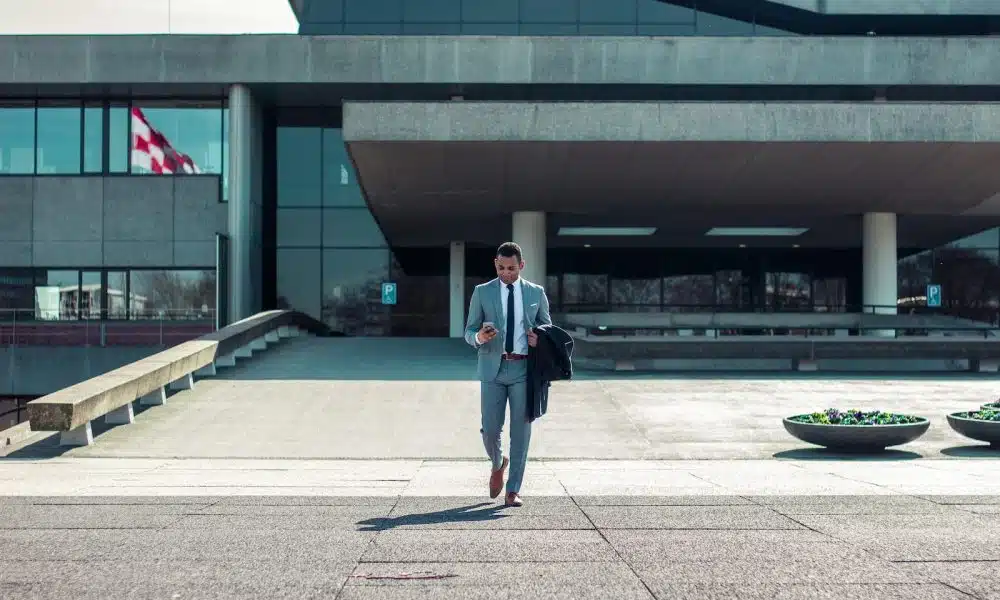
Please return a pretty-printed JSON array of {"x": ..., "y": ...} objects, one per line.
[
  {"x": 485, "y": 334},
  {"x": 532, "y": 338}
]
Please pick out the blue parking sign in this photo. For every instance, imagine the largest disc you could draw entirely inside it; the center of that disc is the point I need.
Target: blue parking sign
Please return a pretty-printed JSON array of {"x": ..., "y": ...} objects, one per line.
[
  {"x": 934, "y": 295},
  {"x": 388, "y": 293}
]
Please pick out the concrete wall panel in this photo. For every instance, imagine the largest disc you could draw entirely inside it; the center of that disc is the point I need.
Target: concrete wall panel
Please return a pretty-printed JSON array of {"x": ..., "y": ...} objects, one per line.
[
  {"x": 198, "y": 214},
  {"x": 139, "y": 208},
  {"x": 15, "y": 254},
  {"x": 194, "y": 254},
  {"x": 115, "y": 221},
  {"x": 16, "y": 196},
  {"x": 138, "y": 254},
  {"x": 290, "y": 59},
  {"x": 67, "y": 254},
  {"x": 67, "y": 209}
]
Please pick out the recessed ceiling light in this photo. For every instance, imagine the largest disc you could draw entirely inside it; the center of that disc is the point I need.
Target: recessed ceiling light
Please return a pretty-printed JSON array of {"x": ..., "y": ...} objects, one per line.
[
  {"x": 586, "y": 245},
  {"x": 795, "y": 245},
  {"x": 757, "y": 231},
  {"x": 743, "y": 245},
  {"x": 625, "y": 231}
]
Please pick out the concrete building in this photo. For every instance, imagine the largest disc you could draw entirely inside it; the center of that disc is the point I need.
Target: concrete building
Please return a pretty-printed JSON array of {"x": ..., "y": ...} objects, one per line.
[{"x": 649, "y": 155}]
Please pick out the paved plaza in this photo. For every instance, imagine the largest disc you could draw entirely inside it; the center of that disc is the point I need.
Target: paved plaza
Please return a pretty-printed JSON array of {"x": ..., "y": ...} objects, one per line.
[{"x": 326, "y": 469}]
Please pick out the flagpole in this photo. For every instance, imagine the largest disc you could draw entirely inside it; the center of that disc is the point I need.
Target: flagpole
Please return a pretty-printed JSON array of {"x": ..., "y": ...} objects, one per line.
[{"x": 170, "y": 10}]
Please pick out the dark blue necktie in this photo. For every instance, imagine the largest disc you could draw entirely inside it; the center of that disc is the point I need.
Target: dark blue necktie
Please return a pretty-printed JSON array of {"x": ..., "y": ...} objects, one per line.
[{"x": 508, "y": 344}]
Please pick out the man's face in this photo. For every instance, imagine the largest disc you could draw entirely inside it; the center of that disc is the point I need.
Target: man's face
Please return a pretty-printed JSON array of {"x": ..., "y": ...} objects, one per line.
[{"x": 508, "y": 268}]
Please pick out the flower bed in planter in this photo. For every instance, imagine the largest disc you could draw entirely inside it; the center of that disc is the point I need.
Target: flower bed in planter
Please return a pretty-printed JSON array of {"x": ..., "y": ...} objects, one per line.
[
  {"x": 855, "y": 430},
  {"x": 991, "y": 406},
  {"x": 981, "y": 425}
]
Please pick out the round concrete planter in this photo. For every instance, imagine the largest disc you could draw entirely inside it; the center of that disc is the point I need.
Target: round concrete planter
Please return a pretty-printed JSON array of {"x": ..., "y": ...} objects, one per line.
[
  {"x": 991, "y": 406},
  {"x": 856, "y": 438},
  {"x": 977, "y": 429}
]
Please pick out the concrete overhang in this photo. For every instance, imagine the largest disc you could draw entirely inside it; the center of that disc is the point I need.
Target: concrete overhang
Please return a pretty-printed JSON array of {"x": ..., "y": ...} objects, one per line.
[
  {"x": 164, "y": 63},
  {"x": 433, "y": 170}
]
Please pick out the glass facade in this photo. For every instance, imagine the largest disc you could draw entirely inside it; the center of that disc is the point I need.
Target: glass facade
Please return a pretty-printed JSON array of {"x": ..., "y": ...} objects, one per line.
[
  {"x": 131, "y": 294},
  {"x": 73, "y": 137},
  {"x": 520, "y": 17}
]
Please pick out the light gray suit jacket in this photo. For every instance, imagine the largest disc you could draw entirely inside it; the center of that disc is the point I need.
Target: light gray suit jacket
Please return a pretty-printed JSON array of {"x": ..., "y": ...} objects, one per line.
[{"x": 485, "y": 306}]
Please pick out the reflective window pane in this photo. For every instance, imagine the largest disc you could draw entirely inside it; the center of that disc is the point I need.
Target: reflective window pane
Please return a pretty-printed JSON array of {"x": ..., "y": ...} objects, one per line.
[
  {"x": 989, "y": 238},
  {"x": 432, "y": 11},
  {"x": 117, "y": 294},
  {"x": 373, "y": 11},
  {"x": 709, "y": 24},
  {"x": 548, "y": 29},
  {"x": 351, "y": 227},
  {"x": 298, "y": 227},
  {"x": 489, "y": 11},
  {"x": 688, "y": 292},
  {"x": 970, "y": 282},
  {"x": 552, "y": 291},
  {"x": 340, "y": 182},
  {"x": 655, "y": 11},
  {"x": 549, "y": 11},
  {"x": 90, "y": 295},
  {"x": 656, "y": 29},
  {"x": 17, "y": 291},
  {"x": 913, "y": 274},
  {"x": 602, "y": 11},
  {"x": 166, "y": 141},
  {"x": 179, "y": 295},
  {"x": 93, "y": 139},
  {"x": 17, "y": 139},
  {"x": 432, "y": 28},
  {"x": 788, "y": 291},
  {"x": 324, "y": 11},
  {"x": 118, "y": 138},
  {"x": 589, "y": 29},
  {"x": 373, "y": 28},
  {"x": 225, "y": 154},
  {"x": 581, "y": 292},
  {"x": 489, "y": 28},
  {"x": 352, "y": 291},
  {"x": 57, "y": 296},
  {"x": 58, "y": 144},
  {"x": 636, "y": 293},
  {"x": 299, "y": 172},
  {"x": 299, "y": 280}
]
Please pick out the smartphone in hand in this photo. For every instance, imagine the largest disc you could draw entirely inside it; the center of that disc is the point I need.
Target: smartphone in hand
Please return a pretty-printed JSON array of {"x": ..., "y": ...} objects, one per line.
[{"x": 489, "y": 326}]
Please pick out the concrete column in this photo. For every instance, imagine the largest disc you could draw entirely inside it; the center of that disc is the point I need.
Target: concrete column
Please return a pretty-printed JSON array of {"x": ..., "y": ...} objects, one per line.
[
  {"x": 878, "y": 256},
  {"x": 456, "y": 290},
  {"x": 529, "y": 232},
  {"x": 240, "y": 200}
]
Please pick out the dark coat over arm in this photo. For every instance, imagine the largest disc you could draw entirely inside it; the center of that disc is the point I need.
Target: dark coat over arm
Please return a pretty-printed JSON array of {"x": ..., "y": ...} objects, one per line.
[{"x": 551, "y": 360}]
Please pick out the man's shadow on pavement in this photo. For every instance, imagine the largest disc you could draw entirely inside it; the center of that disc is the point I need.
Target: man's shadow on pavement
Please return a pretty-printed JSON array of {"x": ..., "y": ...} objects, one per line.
[{"x": 472, "y": 512}]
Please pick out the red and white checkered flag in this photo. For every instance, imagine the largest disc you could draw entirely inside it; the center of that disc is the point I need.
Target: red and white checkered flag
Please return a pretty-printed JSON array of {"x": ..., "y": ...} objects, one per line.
[{"x": 152, "y": 151}]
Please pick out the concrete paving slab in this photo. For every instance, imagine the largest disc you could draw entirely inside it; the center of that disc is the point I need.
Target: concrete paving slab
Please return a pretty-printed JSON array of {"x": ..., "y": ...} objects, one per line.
[
  {"x": 718, "y": 500},
  {"x": 512, "y": 592},
  {"x": 150, "y": 516},
  {"x": 337, "y": 405},
  {"x": 178, "y": 544},
  {"x": 763, "y": 571},
  {"x": 145, "y": 578},
  {"x": 649, "y": 546},
  {"x": 711, "y": 591},
  {"x": 851, "y": 505},
  {"x": 489, "y": 546},
  {"x": 688, "y": 517},
  {"x": 602, "y": 575}
]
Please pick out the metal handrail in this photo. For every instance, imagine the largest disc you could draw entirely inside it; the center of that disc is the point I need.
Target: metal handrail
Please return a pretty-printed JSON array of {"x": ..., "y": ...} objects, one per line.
[
  {"x": 94, "y": 328},
  {"x": 808, "y": 332}
]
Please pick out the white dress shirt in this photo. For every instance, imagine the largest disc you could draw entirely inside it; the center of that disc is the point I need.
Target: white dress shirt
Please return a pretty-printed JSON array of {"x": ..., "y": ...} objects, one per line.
[{"x": 520, "y": 335}]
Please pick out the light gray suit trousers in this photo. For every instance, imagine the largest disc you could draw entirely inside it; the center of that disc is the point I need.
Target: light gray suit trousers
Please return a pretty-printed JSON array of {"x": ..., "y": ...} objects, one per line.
[{"x": 504, "y": 380}]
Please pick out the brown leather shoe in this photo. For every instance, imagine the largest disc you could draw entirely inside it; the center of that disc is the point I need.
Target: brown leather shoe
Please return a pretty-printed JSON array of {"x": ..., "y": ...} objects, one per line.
[
  {"x": 496, "y": 479},
  {"x": 513, "y": 499}
]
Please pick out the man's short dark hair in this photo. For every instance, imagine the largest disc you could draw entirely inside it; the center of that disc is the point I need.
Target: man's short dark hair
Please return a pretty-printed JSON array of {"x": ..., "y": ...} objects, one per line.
[{"x": 509, "y": 249}]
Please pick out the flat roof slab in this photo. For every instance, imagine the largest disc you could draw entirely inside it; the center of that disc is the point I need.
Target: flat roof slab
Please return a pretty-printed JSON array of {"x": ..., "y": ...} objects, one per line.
[
  {"x": 431, "y": 169},
  {"x": 168, "y": 61}
]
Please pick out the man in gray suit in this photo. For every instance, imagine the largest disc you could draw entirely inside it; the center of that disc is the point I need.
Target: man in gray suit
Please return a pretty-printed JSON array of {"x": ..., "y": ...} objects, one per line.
[{"x": 502, "y": 313}]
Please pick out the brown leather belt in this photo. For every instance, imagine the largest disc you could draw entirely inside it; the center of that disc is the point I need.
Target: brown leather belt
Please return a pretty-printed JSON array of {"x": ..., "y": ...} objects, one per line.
[{"x": 507, "y": 356}]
